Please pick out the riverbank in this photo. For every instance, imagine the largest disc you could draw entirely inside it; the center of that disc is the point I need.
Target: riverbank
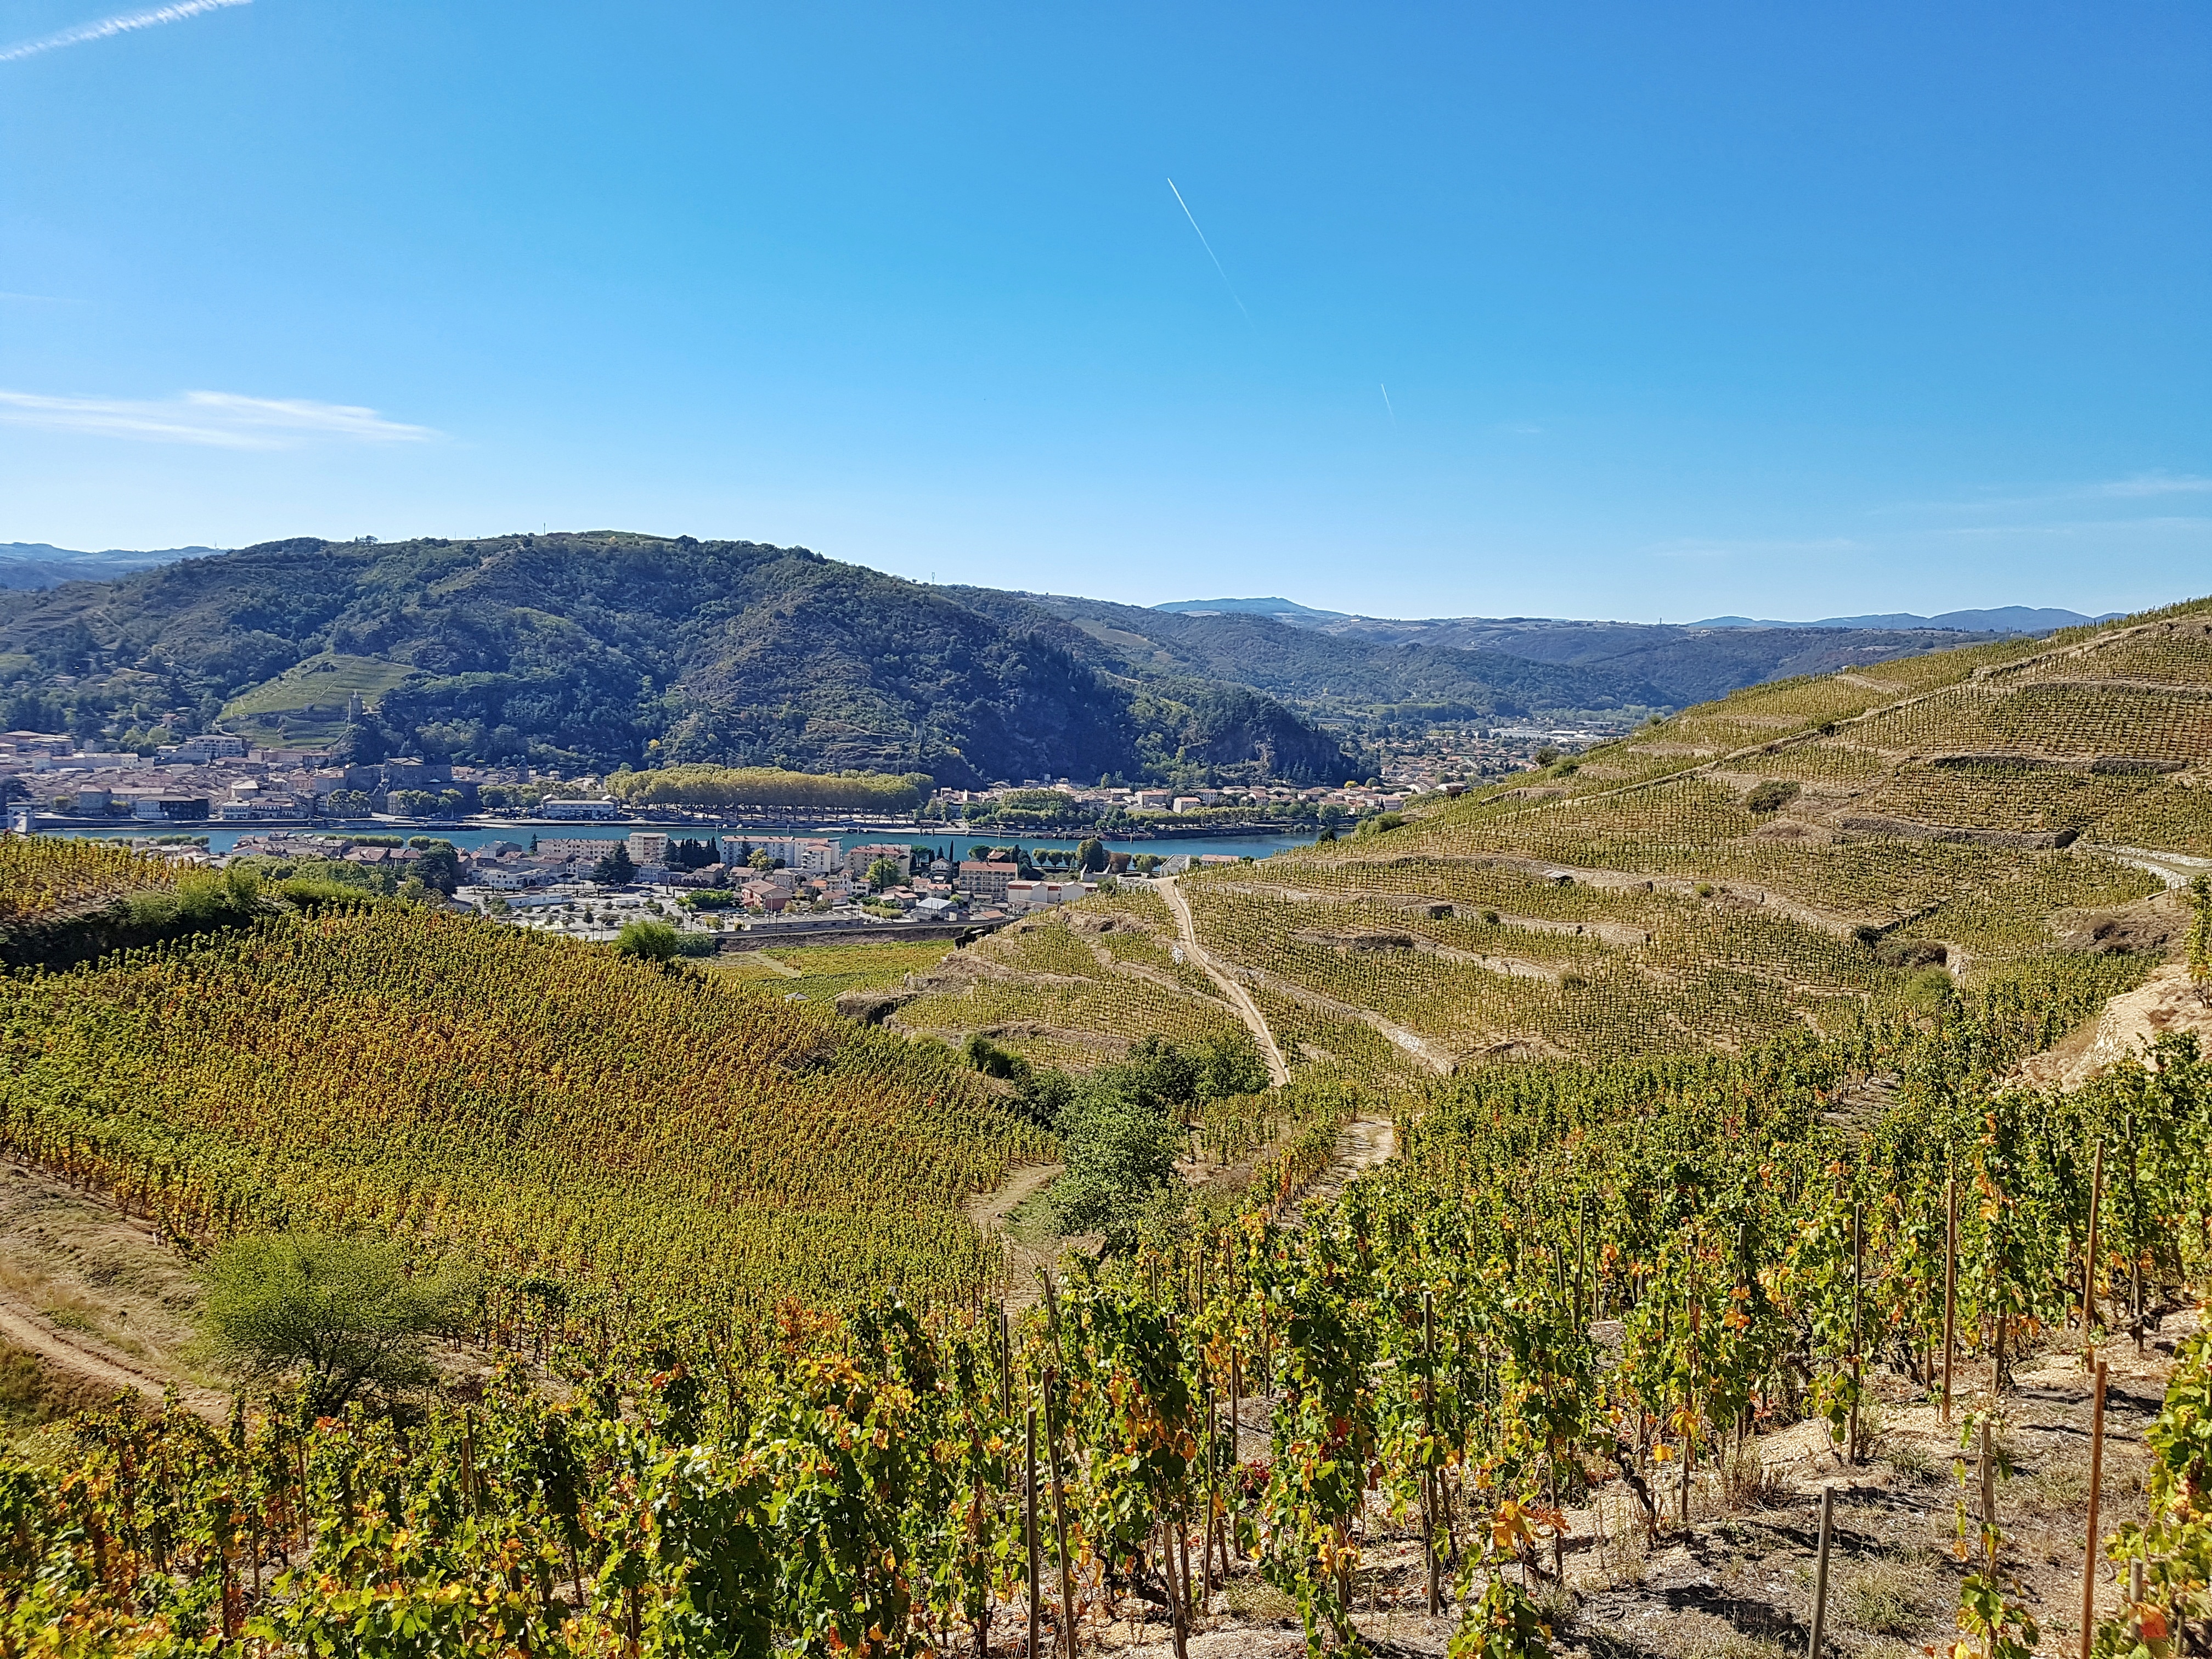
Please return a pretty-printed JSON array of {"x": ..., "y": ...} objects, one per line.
[{"x": 474, "y": 834}]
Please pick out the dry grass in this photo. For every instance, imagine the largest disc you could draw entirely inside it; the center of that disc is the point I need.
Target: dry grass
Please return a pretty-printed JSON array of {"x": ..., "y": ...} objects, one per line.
[
  {"x": 1888, "y": 1598},
  {"x": 1253, "y": 1598}
]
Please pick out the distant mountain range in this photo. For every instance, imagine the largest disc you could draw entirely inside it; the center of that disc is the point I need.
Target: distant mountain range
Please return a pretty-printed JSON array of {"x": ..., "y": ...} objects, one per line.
[
  {"x": 606, "y": 647},
  {"x": 603, "y": 648},
  {"x": 2005, "y": 619},
  {"x": 1670, "y": 664},
  {"x": 36, "y": 564}
]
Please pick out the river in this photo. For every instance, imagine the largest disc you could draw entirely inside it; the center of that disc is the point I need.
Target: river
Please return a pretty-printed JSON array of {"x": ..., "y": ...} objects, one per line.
[{"x": 221, "y": 838}]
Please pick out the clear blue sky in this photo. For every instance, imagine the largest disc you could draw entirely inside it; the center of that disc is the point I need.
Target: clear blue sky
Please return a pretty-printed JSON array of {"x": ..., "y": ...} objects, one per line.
[{"x": 1784, "y": 310}]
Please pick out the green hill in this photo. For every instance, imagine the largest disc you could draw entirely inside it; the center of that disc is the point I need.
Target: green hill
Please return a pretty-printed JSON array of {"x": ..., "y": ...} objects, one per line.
[{"x": 597, "y": 649}]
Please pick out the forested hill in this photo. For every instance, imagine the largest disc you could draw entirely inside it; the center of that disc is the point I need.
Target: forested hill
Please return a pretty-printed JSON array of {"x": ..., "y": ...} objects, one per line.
[
  {"x": 1332, "y": 673},
  {"x": 602, "y": 647}
]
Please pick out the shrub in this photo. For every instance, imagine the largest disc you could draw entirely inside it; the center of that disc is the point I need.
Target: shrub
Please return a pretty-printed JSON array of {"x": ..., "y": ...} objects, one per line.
[
  {"x": 343, "y": 1314},
  {"x": 1773, "y": 795}
]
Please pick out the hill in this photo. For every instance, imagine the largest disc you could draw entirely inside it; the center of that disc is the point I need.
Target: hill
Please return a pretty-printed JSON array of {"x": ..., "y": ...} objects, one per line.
[
  {"x": 2004, "y": 619},
  {"x": 524, "y": 1104},
  {"x": 39, "y": 564},
  {"x": 1664, "y": 665},
  {"x": 1776, "y": 859},
  {"x": 1334, "y": 675},
  {"x": 591, "y": 650}
]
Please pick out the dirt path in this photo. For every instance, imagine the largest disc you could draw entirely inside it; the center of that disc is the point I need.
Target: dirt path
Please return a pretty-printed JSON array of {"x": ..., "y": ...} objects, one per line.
[
  {"x": 2129, "y": 1025},
  {"x": 2176, "y": 870},
  {"x": 95, "y": 1361},
  {"x": 990, "y": 1210},
  {"x": 1438, "y": 1060},
  {"x": 1364, "y": 1144},
  {"x": 1278, "y": 1072},
  {"x": 1026, "y": 1254}
]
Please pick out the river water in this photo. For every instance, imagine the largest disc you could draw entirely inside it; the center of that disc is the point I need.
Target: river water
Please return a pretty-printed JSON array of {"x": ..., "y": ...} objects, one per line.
[{"x": 221, "y": 838}]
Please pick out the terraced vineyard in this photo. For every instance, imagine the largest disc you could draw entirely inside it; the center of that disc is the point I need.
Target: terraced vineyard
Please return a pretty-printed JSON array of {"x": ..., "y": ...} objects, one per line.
[
  {"x": 531, "y": 1105},
  {"x": 1077, "y": 990},
  {"x": 817, "y": 973},
  {"x": 1774, "y": 860}
]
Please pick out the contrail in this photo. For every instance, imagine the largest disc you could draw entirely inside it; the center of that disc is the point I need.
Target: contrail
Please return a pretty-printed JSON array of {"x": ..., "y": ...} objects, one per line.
[
  {"x": 1208, "y": 247},
  {"x": 122, "y": 25},
  {"x": 1385, "y": 402}
]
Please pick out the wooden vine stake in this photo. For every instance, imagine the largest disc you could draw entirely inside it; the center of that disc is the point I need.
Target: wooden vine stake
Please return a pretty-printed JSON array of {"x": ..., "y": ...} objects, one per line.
[
  {"x": 1059, "y": 1512},
  {"x": 1950, "y": 1290},
  {"x": 1428, "y": 1467},
  {"x": 2089, "y": 1265},
  {"x": 1821, "y": 1572},
  {"x": 1858, "y": 1284},
  {"x": 1037, "y": 1563},
  {"x": 2096, "y": 1491}
]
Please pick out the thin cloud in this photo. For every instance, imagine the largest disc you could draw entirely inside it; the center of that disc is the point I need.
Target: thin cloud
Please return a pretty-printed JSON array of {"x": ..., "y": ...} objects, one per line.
[
  {"x": 2140, "y": 486},
  {"x": 123, "y": 24},
  {"x": 1210, "y": 253},
  {"x": 2156, "y": 484},
  {"x": 2085, "y": 526},
  {"x": 222, "y": 420}
]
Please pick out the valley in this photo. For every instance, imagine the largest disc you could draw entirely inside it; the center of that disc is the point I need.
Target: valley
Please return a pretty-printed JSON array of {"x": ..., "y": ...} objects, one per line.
[{"x": 1557, "y": 1179}]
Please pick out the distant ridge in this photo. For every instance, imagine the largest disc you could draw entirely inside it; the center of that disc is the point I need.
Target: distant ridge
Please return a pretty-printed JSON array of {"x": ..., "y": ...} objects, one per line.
[
  {"x": 2005, "y": 619},
  {"x": 1286, "y": 609},
  {"x": 41, "y": 564}
]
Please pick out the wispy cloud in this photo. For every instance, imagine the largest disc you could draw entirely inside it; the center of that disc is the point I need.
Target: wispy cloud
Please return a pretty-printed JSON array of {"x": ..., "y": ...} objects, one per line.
[
  {"x": 2156, "y": 483},
  {"x": 2105, "y": 527},
  {"x": 223, "y": 420},
  {"x": 123, "y": 24},
  {"x": 2140, "y": 486}
]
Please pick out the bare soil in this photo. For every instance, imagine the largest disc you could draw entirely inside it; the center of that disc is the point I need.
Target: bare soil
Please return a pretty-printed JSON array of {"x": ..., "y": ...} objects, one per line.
[
  {"x": 1736, "y": 1581},
  {"x": 97, "y": 1294}
]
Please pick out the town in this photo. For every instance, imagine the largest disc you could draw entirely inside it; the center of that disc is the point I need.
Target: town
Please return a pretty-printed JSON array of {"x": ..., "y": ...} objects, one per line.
[{"x": 52, "y": 782}]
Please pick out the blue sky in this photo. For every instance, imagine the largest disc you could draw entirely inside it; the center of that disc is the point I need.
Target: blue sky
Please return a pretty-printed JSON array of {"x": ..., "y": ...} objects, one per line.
[{"x": 1682, "y": 309}]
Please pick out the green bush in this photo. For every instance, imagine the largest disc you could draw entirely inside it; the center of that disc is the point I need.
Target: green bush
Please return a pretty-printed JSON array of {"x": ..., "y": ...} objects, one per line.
[
  {"x": 1773, "y": 795},
  {"x": 343, "y": 1315}
]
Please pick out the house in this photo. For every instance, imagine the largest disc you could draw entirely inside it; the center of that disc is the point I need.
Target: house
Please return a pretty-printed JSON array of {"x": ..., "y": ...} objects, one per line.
[
  {"x": 208, "y": 746},
  {"x": 1185, "y": 803},
  {"x": 763, "y": 895},
  {"x": 647, "y": 846},
  {"x": 591, "y": 810},
  {"x": 859, "y": 860},
  {"x": 587, "y": 849},
  {"x": 981, "y": 879},
  {"x": 170, "y": 809},
  {"x": 1035, "y": 894}
]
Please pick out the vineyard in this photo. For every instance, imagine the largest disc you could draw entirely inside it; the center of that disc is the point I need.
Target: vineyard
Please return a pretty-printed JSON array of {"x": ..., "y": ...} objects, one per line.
[
  {"x": 820, "y": 972},
  {"x": 530, "y": 1105},
  {"x": 1077, "y": 988},
  {"x": 1702, "y": 1050},
  {"x": 42, "y": 875},
  {"x": 1554, "y": 1335},
  {"x": 1750, "y": 867}
]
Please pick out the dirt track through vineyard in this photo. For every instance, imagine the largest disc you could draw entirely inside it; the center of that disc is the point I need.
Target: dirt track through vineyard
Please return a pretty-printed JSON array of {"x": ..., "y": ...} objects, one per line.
[{"x": 1278, "y": 1072}]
